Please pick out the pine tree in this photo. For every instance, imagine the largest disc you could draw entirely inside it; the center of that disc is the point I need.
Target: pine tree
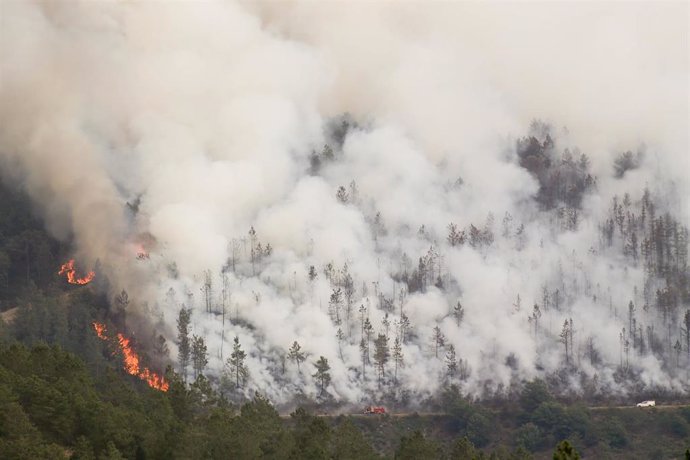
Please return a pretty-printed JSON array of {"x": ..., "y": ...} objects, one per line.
[
  {"x": 160, "y": 346},
  {"x": 183, "y": 344},
  {"x": 565, "y": 339},
  {"x": 238, "y": 369},
  {"x": 686, "y": 331},
  {"x": 207, "y": 290},
  {"x": 397, "y": 358},
  {"x": 458, "y": 313},
  {"x": 381, "y": 355},
  {"x": 296, "y": 355},
  {"x": 335, "y": 304},
  {"x": 199, "y": 355},
  {"x": 340, "y": 336},
  {"x": 368, "y": 330},
  {"x": 404, "y": 327},
  {"x": 312, "y": 274},
  {"x": 342, "y": 195},
  {"x": 364, "y": 351},
  {"x": 322, "y": 376},
  {"x": 536, "y": 314},
  {"x": 565, "y": 451},
  {"x": 439, "y": 340},
  {"x": 455, "y": 237},
  {"x": 121, "y": 303},
  {"x": 348, "y": 285},
  {"x": 451, "y": 362}
]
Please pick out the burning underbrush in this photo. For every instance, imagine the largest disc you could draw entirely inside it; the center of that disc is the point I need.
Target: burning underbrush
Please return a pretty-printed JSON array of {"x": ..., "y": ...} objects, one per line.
[
  {"x": 67, "y": 269},
  {"x": 132, "y": 362}
]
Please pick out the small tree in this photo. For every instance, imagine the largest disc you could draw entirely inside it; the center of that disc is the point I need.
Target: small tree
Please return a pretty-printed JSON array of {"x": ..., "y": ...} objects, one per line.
[
  {"x": 458, "y": 313},
  {"x": 335, "y": 304},
  {"x": 160, "y": 346},
  {"x": 455, "y": 237},
  {"x": 565, "y": 451},
  {"x": 238, "y": 369},
  {"x": 536, "y": 314},
  {"x": 405, "y": 326},
  {"x": 381, "y": 355},
  {"x": 348, "y": 285},
  {"x": 686, "y": 331},
  {"x": 451, "y": 362},
  {"x": 364, "y": 351},
  {"x": 340, "y": 336},
  {"x": 183, "y": 344},
  {"x": 439, "y": 340},
  {"x": 122, "y": 302},
  {"x": 322, "y": 376},
  {"x": 565, "y": 339},
  {"x": 312, "y": 274},
  {"x": 342, "y": 195},
  {"x": 199, "y": 355},
  {"x": 368, "y": 330},
  {"x": 397, "y": 358},
  {"x": 296, "y": 355}
]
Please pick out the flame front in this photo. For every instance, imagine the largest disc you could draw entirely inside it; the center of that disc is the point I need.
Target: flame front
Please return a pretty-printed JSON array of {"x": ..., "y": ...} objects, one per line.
[
  {"x": 100, "y": 331},
  {"x": 131, "y": 360},
  {"x": 68, "y": 270}
]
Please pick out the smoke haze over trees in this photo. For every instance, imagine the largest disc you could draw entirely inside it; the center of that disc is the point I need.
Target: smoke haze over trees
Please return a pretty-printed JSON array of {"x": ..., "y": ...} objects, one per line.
[{"x": 356, "y": 201}]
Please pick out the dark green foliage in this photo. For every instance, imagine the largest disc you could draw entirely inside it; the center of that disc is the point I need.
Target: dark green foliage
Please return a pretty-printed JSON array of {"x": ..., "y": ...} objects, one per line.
[
  {"x": 563, "y": 177},
  {"x": 534, "y": 394},
  {"x": 48, "y": 398},
  {"x": 50, "y": 406},
  {"x": 417, "y": 447},
  {"x": 529, "y": 436},
  {"x": 626, "y": 161},
  {"x": 565, "y": 451},
  {"x": 479, "y": 429},
  {"x": 551, "y": 417},
  {"x": 183, "y": 343},
  {"x": 615, "y": 433},
  {"x": 28, "y": 255},
  {"x": 322, "y": 376},
  {"x": 311, "y": 436},
  {"x": 674, "y": 424},
  {"x": 349, "y": 443},
  {"x": 463, "y": 449}
]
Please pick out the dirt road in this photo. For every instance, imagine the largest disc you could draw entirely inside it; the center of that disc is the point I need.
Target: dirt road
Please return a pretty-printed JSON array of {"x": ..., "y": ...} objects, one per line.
[{"x": 441, "y": 414}]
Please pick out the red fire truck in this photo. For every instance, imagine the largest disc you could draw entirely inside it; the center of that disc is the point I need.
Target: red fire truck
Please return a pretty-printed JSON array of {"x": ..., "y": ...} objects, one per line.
[{"x": 374, "y": 410}]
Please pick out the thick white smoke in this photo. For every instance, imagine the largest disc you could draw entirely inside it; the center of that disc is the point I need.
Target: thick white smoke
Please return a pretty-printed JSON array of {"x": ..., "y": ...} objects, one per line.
[{"x": 208, "y": 113}]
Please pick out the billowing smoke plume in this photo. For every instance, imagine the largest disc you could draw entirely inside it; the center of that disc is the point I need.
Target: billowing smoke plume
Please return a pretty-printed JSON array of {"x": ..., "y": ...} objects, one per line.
[{"x": 175, "y": 128}]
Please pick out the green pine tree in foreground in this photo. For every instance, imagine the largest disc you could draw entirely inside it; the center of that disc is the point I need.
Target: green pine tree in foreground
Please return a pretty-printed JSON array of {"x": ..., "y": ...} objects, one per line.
[{"x": 565, "y": 451}]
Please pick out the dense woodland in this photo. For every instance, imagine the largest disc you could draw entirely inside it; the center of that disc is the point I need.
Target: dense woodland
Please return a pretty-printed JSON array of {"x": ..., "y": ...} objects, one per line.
[{"x": 65, "y": 394}]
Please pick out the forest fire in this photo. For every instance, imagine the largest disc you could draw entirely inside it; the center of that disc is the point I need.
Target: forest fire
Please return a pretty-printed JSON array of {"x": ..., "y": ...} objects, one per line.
[
  {"x": 68, "y": 270},
  {"x": 100, "y": 331},
  {"x": 131, "y": 360}
]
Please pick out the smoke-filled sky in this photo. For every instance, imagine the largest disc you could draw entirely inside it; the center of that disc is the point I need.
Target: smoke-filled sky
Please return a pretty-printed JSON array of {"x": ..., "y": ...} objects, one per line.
[{"x": 208, "y": 113}]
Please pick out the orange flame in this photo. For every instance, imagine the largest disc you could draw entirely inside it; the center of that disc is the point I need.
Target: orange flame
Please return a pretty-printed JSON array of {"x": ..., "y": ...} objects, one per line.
[
  {"x": 68, "y": 270},
  {"x": 131, "y": 360},
  {"x": 100, "y": 331}
]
